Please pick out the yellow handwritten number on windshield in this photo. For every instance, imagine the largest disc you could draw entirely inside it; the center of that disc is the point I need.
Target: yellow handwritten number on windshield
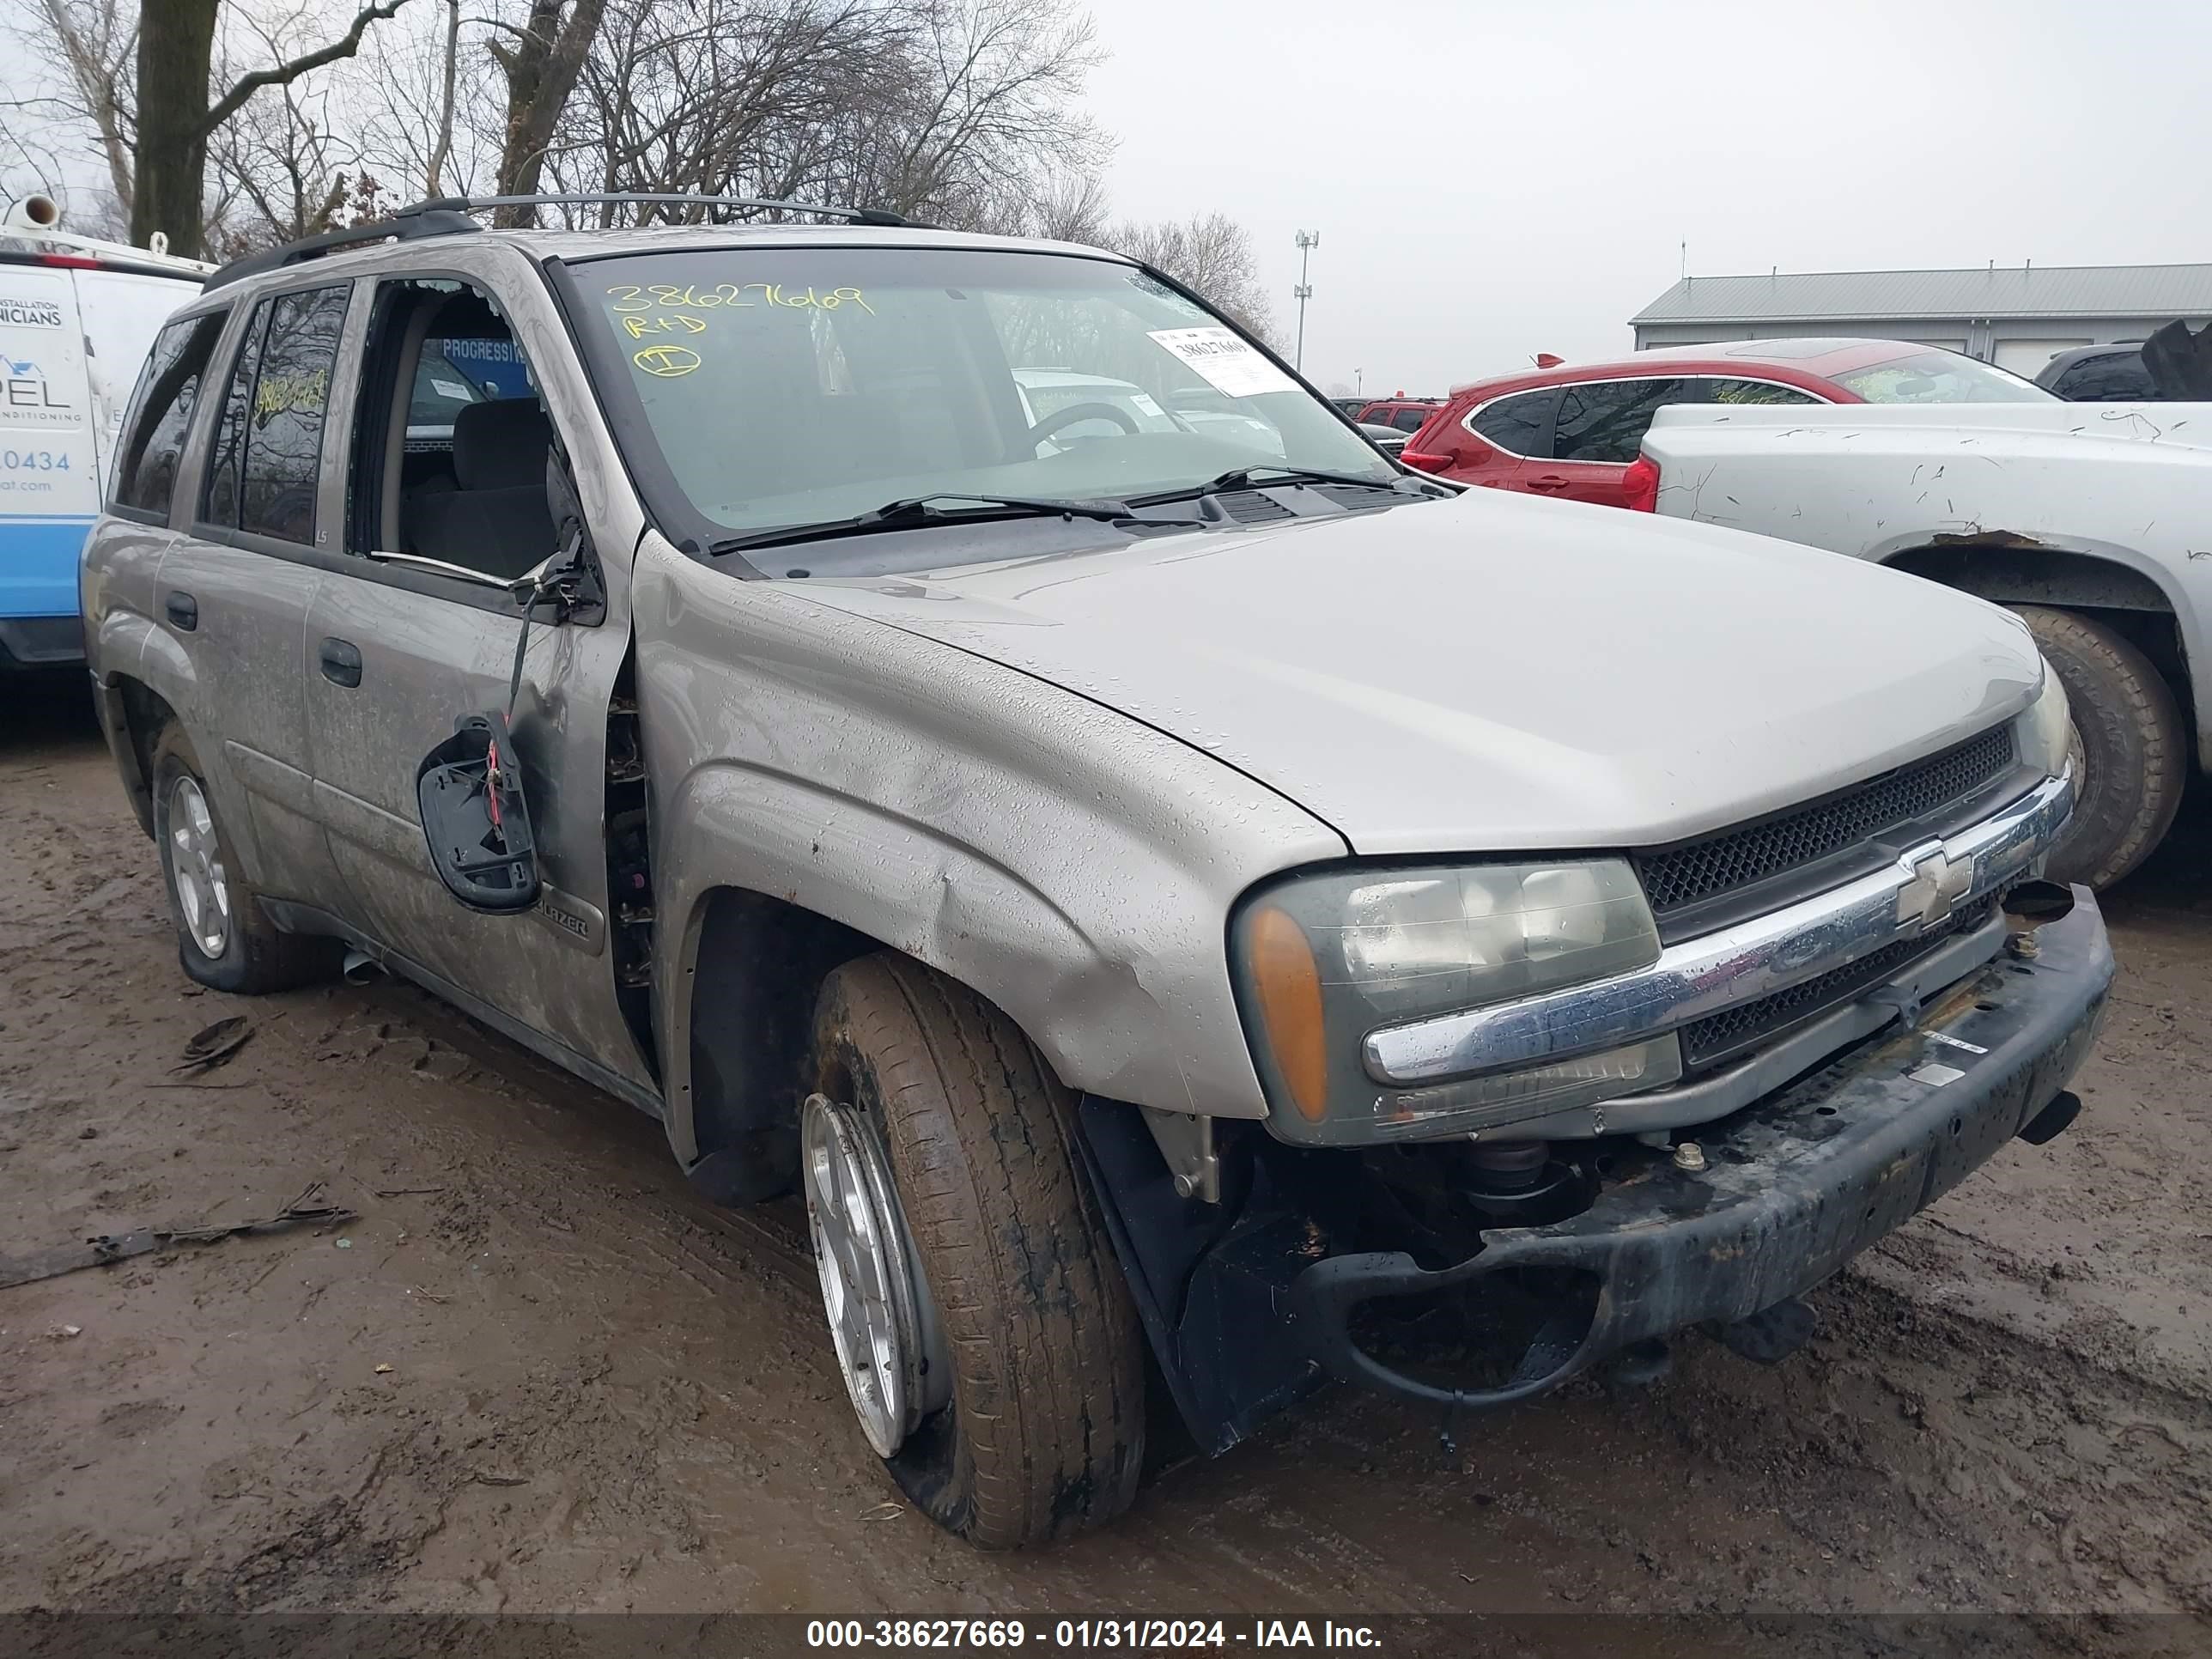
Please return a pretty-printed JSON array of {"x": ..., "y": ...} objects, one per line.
[
  {"x": 627, "y": 299},
  {"x": 667, "y": 361}
]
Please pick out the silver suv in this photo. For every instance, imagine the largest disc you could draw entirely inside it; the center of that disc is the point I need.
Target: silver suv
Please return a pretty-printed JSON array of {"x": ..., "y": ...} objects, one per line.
[{"x": 1171, "y": 884}]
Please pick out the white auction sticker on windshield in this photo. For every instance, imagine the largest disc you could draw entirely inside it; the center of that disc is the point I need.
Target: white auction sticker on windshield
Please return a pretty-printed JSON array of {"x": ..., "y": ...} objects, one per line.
[{"x": 1227, "y": 363}]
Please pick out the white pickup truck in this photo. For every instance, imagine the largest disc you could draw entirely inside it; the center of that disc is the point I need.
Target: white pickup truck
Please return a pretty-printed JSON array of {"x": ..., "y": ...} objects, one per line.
[{"x": 2094, "y": 523}]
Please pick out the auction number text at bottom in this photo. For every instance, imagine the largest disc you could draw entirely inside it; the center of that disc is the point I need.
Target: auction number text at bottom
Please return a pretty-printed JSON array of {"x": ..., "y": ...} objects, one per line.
[{"x": 1123, "y": 1633}]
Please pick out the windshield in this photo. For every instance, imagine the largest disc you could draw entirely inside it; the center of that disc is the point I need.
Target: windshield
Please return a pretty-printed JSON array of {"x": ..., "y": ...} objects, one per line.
[
  {"x": 798, "y": 386},
  {"x": 1939, "y": 377}
]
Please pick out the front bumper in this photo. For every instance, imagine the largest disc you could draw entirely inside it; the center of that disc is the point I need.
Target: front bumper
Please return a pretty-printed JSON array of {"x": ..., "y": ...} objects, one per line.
[{"x": 1793, "y": 1187}]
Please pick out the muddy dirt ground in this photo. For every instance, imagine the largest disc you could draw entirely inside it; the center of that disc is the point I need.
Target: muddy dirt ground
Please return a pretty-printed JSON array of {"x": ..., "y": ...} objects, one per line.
[{"x": 538, "y": 1374}]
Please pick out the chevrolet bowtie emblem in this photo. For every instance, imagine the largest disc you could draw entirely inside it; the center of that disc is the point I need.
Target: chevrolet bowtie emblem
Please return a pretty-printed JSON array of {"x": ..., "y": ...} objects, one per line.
[{"x": 1938, "y": 881}]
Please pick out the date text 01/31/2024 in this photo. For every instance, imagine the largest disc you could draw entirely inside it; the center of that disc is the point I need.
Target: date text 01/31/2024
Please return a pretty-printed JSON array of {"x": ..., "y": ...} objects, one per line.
[{"x": 1123, "y": 1633}]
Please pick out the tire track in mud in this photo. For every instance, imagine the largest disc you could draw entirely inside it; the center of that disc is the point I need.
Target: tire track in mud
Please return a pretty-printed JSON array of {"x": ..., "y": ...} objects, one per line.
[{"x": 603, "y": 1393}]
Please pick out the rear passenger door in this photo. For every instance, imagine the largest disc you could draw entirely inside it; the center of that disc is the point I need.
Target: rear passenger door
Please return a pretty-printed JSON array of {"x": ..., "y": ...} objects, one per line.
[
  {"x": 1597, "y": 430},
  {"x": 236, "y": 589}
]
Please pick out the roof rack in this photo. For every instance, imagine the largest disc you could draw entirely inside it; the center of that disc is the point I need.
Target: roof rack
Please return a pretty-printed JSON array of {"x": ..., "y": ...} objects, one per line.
[{"x": 447, "y": 215}]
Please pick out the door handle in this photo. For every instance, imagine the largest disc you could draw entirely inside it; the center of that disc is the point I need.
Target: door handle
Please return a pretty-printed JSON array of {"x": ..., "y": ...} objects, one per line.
[
  {"x": 341, "y": 660},
  {"x": 1549, "y": 482},
  {"x": 184, "y": 611}
]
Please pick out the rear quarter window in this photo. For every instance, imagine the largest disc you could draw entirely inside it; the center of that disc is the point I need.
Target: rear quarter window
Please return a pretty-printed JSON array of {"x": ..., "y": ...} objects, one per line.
[
  {"x": 160, "y": 415},
  {"x": 1517, "y": 424}
]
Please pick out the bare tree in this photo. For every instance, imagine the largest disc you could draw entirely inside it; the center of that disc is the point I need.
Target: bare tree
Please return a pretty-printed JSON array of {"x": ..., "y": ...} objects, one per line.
[
  {"x": 285, "y": 165},
  {"x": 1062, "y": 207},
  {"x": 964, "y": 112},
  {"x": 987, "y": 104},
  {"x": 435, "y": 178},
  {"x": 177, "y": 115},
  {"x": 542, "y": 61},
  {"x": 85, "y": 48},
  {"x": 427, "y": 122},
  {"x": 1209, "y": 253},
  {"x": 731, "y": 97}
]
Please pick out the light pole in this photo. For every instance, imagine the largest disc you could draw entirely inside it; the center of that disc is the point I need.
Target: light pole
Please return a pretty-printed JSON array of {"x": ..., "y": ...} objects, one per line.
[
  {"x": 1308, "y": 241},
  {"x": 1359, "y": 383}
]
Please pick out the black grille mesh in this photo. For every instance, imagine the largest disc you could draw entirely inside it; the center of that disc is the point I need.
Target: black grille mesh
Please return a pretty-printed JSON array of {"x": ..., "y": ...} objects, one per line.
[
  {"x": 1686, "y": 875},
  {"x": 1722, "y": 1035}
]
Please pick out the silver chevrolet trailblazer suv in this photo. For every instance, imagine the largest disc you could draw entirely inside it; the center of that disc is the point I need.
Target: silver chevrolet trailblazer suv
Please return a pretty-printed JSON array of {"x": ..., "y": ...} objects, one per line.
[{"x": 1151, "y": 884}]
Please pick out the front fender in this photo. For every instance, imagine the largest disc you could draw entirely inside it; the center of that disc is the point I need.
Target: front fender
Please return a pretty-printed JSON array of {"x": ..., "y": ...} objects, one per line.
[
  {"x": 917, "y": 891},
  {"x": 1074, "y": 867}
]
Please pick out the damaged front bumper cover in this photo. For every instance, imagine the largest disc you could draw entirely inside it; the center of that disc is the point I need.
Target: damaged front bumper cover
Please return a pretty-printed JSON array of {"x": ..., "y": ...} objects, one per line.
[{"x": 1793, "y": 1186}]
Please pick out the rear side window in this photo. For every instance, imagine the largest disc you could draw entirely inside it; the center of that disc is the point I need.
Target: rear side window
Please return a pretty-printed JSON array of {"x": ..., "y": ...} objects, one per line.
[
  {"x": 1756, "y": 391},
  {"x": 2119, "y": 377},
  {"x": 266, "y": 466},
  {"x": 1410, "y": 420},
  {"x": 160, "y": 414},
  {"x": 1516, "y": 424},
  {"x": 1606, "y": 420}
]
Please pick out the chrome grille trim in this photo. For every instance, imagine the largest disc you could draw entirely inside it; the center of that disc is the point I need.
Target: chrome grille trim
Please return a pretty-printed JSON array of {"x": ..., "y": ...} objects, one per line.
[
  {"x": 1692, "y": 883},
  {"x": 1913, "y": 895}
]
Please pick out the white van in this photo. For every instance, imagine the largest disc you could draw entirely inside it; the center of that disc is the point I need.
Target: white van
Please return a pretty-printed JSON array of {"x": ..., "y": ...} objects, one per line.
[{"x": 77, "y": 318}]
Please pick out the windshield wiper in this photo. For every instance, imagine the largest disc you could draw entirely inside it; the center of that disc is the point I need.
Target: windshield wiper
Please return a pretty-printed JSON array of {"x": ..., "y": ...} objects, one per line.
[
  {"x": 913, "y": 510},
  {"x": 1249, "y": 478}
]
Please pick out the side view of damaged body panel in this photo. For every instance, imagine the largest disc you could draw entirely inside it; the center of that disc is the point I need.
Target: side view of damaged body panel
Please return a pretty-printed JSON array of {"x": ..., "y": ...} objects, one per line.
[
  {"x": 1075, "y": 866},
  {"x": 2129, "y": 486}
]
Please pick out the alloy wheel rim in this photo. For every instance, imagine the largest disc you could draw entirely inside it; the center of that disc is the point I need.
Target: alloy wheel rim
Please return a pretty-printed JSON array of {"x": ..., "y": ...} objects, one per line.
[
  {"x": 891, "y": 1345},
  {"x": 196, "y": 870}
]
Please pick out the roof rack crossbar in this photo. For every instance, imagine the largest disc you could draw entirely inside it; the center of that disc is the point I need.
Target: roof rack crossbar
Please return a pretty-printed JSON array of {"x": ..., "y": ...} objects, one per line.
[
  {"x": 655, "y": 199},
  {"x": 447, "y": 215}
]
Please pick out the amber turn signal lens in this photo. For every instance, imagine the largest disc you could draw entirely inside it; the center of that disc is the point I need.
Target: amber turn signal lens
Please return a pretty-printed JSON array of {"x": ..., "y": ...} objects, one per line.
[{"x": 1288, "y": 982}]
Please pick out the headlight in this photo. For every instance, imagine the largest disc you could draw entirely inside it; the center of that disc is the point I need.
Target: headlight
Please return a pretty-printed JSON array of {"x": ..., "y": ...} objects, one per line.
[
  {"x": 1321, "y": 961},
  {"x": 2047, "y": 728}
]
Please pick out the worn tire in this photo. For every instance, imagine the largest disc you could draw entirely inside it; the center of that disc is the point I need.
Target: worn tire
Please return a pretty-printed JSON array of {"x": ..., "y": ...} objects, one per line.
[
  {"x": 1045, "y": 1433},
  {"x": 258, "y": 957},
  {"x": 2133, "y": 747}
]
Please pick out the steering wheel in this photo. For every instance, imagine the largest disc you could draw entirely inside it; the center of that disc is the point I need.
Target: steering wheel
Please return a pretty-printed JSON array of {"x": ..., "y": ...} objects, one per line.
[{"x": 1074, "y": 412}]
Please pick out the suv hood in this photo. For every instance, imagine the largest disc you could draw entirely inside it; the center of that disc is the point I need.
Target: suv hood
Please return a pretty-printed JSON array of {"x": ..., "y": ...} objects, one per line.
[{"x": 1496, "y": 673}]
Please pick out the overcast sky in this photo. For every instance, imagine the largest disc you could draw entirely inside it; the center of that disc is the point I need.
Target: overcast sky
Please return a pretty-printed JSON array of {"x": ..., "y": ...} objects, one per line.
[{"x": 1490, "y": 181}]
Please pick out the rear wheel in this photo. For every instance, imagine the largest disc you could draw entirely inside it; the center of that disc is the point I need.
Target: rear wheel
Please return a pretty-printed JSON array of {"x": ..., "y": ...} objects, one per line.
[
  {"x": 223, "y": 938},
  {"x": 2130, "y": 749},
  {"x": 989, "y": 1343}
]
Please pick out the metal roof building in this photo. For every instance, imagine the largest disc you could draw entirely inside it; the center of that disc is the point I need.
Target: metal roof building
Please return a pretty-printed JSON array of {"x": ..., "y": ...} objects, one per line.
[{"x": 2015, "y": 316}]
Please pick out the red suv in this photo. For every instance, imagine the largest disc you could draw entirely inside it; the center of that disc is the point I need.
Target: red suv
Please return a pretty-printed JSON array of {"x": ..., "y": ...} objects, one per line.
[
  {"x": 1576, "y": 431},
  {"x": 1406, "y": 414}
]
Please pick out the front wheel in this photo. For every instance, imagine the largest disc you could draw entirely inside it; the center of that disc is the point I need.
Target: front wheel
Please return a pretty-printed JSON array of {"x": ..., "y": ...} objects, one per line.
[
  {"x": 2131, "y": 747},
  {"x": 988, "y": 1342}
]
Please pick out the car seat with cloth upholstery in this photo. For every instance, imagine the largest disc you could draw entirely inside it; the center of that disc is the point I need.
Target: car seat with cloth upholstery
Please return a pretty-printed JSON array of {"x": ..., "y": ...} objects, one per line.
[{"x": 496, "y": 520}]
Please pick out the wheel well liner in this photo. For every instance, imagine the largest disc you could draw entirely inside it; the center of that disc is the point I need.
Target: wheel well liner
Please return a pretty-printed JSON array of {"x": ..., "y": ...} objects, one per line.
[
  {"x": 140, "y": 712},
  {"x": 758, "y": 965},
  {"x": 1998, "y": 566}
]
